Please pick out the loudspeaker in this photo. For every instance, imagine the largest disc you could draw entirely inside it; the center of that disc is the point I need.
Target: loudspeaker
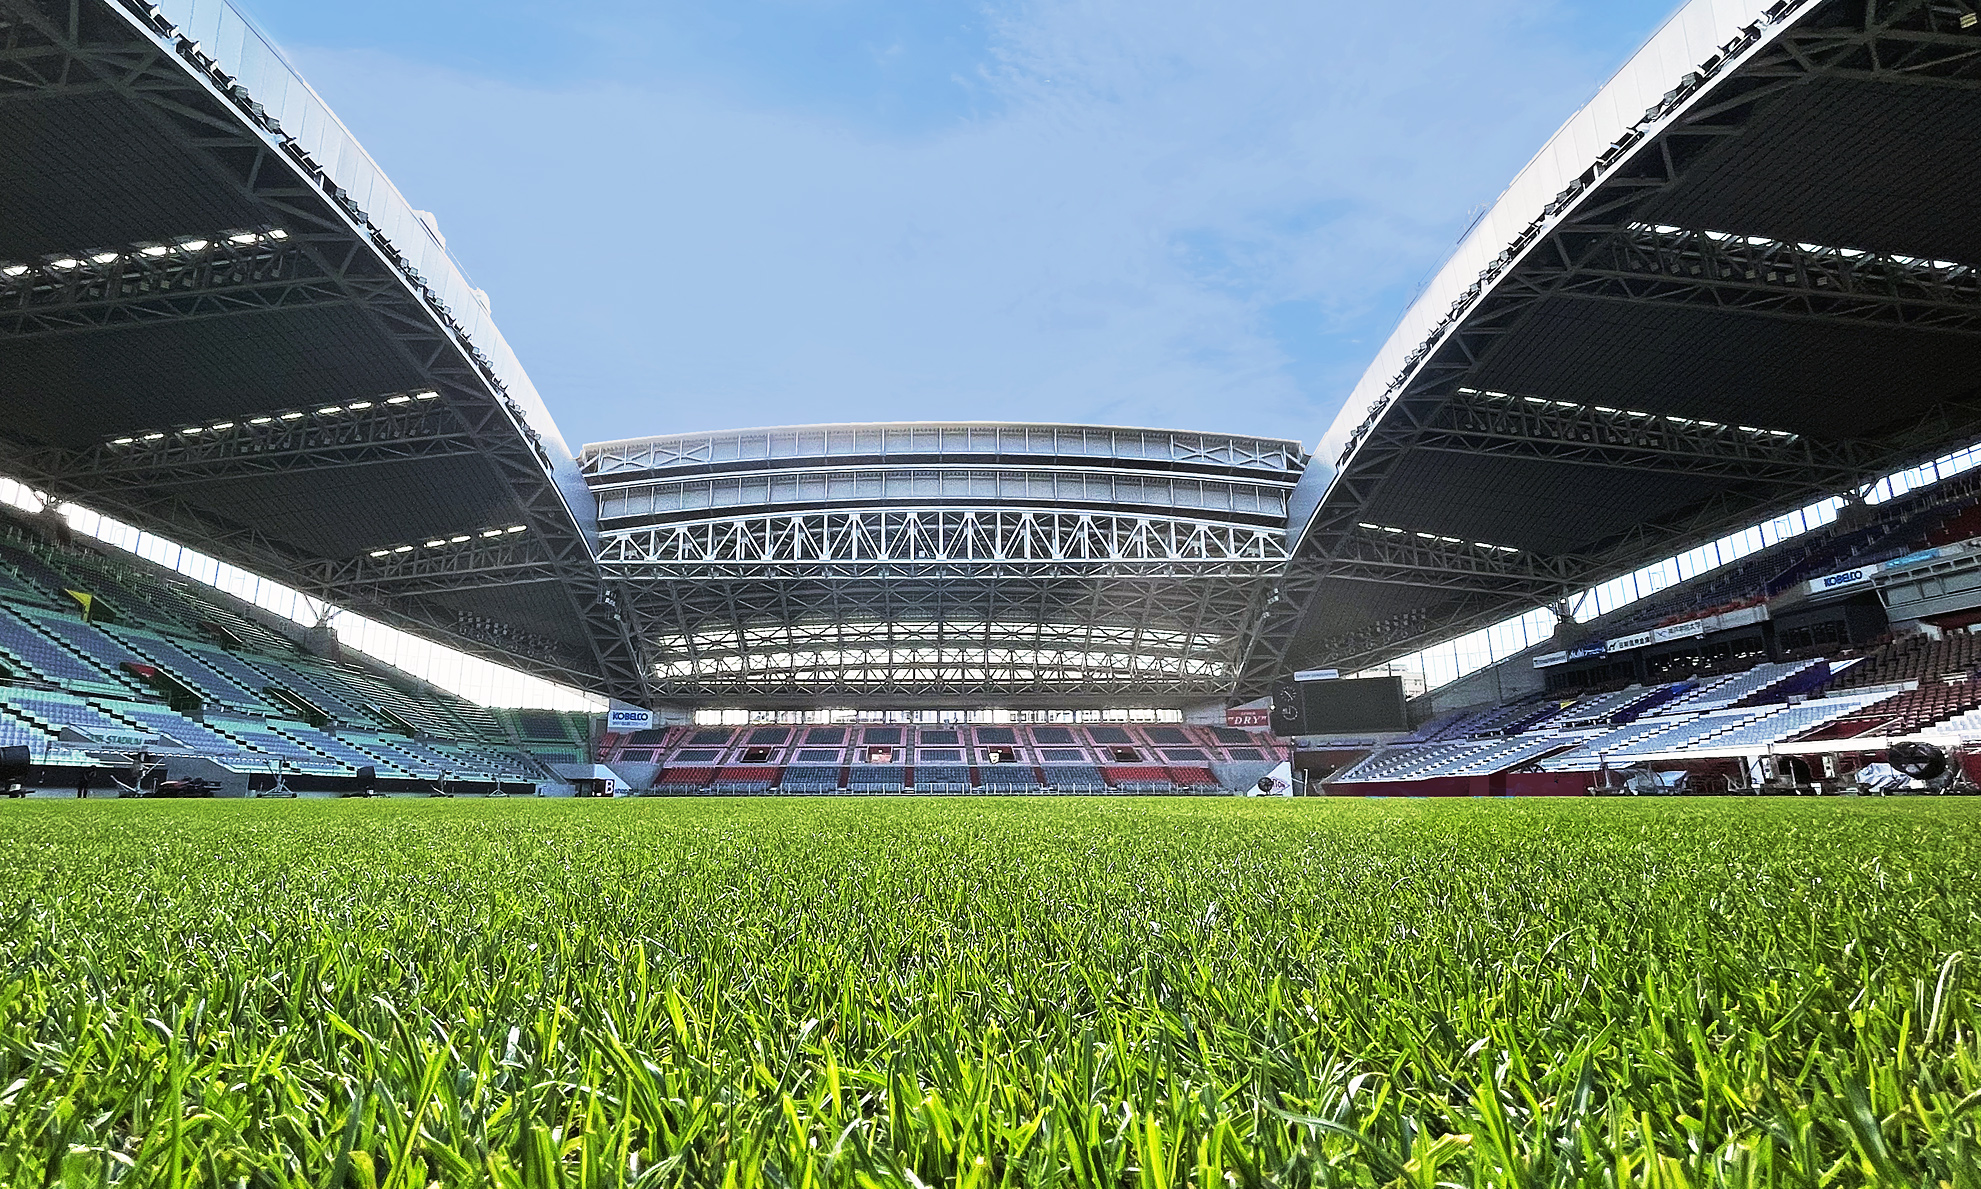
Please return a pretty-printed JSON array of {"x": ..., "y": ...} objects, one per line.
[
  {"x": 15, "y": 761},
  {"x": 367, "y": 776}
]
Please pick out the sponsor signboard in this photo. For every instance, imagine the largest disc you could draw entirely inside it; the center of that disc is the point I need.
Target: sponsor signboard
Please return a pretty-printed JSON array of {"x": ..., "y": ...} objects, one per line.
[
  {"x": 1257, "y": 718},
  {"x": 1679, "y": 631},
  {"x": 1841, "y": 578},
  {"x": 1626, "y": 643},
  {"x": 1317, "y": 675},
  {"x": 624, "y": 718},
  {"x": 1549, "y": 660},
  {"x": 1592, "y": 648}
]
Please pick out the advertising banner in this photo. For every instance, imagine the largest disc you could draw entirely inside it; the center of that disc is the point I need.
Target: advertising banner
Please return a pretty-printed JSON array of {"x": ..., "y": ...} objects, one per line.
[
  {"x": 1549, "y": 660},
  {"x": 1626, "y": 643},
  {"x": 625, "y": 718},
  {"x": 1679, "y": 631},
  {"x": 1841, "y": 578},
  {"x": 1257, "y": 718}
]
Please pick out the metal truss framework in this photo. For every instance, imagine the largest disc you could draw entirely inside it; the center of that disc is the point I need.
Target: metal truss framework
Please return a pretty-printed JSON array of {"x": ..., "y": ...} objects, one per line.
[
  {"x": 396, "y": 427},
  {"x": 1649, "y": 264},
  {"x": 55, "y": 48},
  {"x": 100, "y": 289},
  {"x": 944, "y": 603},
  {"x": 1588, "y": 244}
]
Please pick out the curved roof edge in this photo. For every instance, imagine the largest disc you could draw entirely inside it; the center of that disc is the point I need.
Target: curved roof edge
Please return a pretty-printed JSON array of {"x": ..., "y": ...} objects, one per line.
[
  {"x": 828, "y": 426},
  {"x": 1644, "y": 94},
  {"x": 233, "y": 41}
]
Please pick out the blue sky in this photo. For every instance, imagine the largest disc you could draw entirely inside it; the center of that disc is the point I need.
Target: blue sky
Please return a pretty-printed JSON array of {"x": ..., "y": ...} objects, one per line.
[{"x": 700, "y": 215}]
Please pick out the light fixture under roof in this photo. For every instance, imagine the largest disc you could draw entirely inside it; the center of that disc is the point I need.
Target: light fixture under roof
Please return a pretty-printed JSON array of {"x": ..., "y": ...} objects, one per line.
[
  {"x": 193, "y": 245},
  {"x": 154, "y": 250},
  {"x": 105, "y": 257},
  {"x": 245, "y": 237},
  {"x": 458, "y": 538},
  {"x": 219, "y": 425},
  {"x": 152, "y": 437},
  {"x": 491, "y": 532},
  {"x": 514, "y": 528},
  {"x": 435, "y": 543},
  {"x": 381, "y": 552},
  {"x": 65, "y": 262},
  {"x": 401, "y": 399},
  {"x": 292, "y": 416},
  {"x": 427, "y": 395},
  {"x": 358, "y": 404},
  {"x": 329, "y": 410}
]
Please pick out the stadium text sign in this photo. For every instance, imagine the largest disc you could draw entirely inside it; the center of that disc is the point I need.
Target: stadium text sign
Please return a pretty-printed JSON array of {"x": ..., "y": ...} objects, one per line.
[
  {"x": 626, "y": 717},
  {"x": 1259, "y": 717}
]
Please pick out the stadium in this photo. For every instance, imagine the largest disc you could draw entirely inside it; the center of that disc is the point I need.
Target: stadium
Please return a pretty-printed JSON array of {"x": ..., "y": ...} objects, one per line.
[
  {"x": 1686, "y": 366},
  {"x": 948, "y": 845}
]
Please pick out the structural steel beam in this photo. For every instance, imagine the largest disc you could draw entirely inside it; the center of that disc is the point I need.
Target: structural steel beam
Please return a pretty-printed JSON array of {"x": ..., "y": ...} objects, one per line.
[
  {"x": 105, "y": 289},
  {"x": 363, "y": 434},
  {"x": 1648, "y": 264}
]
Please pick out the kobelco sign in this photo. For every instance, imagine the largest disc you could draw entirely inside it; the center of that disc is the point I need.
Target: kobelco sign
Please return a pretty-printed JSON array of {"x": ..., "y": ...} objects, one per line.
[{"x": 625, "y": 717}]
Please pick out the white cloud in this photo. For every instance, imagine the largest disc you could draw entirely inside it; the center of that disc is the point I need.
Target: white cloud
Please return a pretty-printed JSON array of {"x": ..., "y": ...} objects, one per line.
[{"x": 1119, "y": 240}]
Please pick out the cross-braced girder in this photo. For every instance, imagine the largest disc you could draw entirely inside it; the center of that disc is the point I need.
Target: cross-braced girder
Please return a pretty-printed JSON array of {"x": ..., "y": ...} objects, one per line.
[
  {"x": 1751, "y": 274},
  {"x": 224, "y": 274},
  {"x": 945, "y": 540},
  {"x": 394, "y": 427},
  {"x": 943, "y": 602}
]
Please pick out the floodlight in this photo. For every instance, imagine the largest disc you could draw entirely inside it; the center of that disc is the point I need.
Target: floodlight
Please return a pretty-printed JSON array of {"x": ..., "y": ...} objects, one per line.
[
  {"x": 514, "y": 528},
  {"x": 14, "y": 270},
  {"x": 292, "y": 416},
  {"x": 380, "y": 552},
  {"x": 122, "y": 441},
  {"x": 278, "y": 233},
  {"x": 458, "y": 539},
  {"x": 219, "y": 425},
  {"x": 193, "y": 245},
  {"x": 491, "y": 532},
  {"x": 65, "y": 262},
  {"x": 260, "y": 420},
  {"x": 152, "y": 437},
  {"x": 328, "y": 410},
  {"x": 245, "y": 237},
  {"x": 402, "y": 549},
  {"x": 401, "y": 399},
  {"x": 425, "y": 395},
  {"x": 105, "y": 257},
  {"x": 358, "y": 404}
]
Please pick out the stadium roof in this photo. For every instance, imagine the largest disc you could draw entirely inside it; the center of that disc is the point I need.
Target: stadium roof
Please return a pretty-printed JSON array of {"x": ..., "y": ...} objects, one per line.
[
  {"x": 944, "y": 561},
  {"x": 220, "y": 322},
  {"x": 1741, "y": 279}
]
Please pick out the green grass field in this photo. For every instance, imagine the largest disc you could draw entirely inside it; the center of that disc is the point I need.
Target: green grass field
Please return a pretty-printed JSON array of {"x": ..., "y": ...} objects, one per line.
[{"x": 977, "y": 992}]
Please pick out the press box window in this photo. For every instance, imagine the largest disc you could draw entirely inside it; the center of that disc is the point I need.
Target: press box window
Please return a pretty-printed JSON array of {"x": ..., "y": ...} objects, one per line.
[
  {"x": 1124, "y": 755},
  {"x": 1000, "y": 755},
  {"x": 880, "y": 755},
  {"x": 756, "y": 755}
]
